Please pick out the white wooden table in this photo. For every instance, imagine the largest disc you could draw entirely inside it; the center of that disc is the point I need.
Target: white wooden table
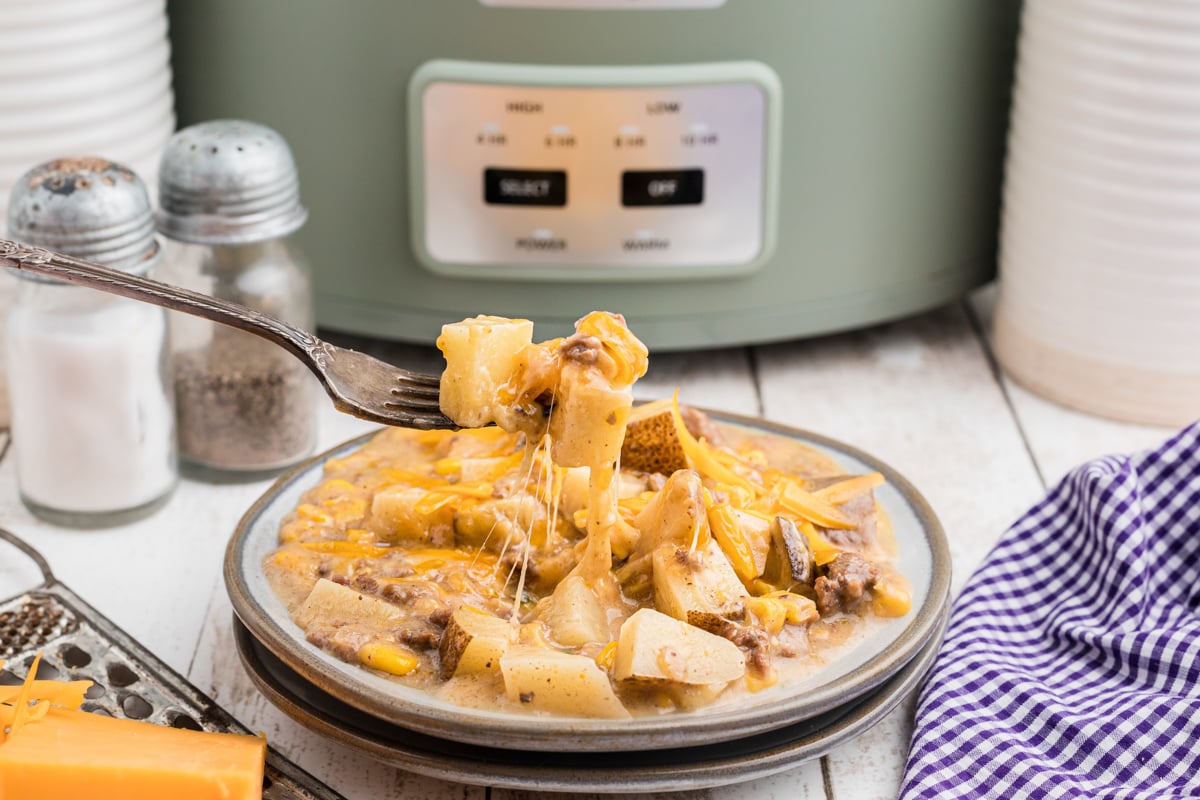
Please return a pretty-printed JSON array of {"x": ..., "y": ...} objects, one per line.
[{"x": 923, "y": 394}]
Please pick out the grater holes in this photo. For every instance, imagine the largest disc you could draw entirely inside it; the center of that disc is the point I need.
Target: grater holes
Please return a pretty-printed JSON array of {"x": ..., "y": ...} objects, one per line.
[
  {"x": 217, "y": 717},
  {"x": 121, "y": 676},
  {"x": 177, "y": 719},
  {"x": 45, "y": 671},
  {"x": 33, "y": 623},
  {"x": 135, "y": 706},
  {"x": 74, "y": 657}
]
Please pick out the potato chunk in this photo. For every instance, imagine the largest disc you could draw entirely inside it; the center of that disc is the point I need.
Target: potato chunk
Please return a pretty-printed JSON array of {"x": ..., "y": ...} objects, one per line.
[
  {"x": 397, "y": 516},
  {"x": 574, "y": 614},
  {"x": 676, "y": 515},
  {"x": 658, "y": 648},
  {"x": 334, "y": 605},
  {"x": 472, "y": 643},
  {"x": 699, "y": 587},
  {"x": 481, "y": 354},
  {"x": 560, "y": 683},
  {"x": 587, "y": 425}
]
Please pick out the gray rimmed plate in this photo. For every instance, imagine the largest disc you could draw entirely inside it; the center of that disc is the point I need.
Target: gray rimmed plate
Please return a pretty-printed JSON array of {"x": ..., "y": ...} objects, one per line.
[
  {"x": 669, "y": 770},
  {"x": 923, "y": 558}
]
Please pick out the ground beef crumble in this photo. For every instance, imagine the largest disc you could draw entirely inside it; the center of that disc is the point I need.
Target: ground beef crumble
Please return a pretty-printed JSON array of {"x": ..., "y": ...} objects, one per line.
[{"x": 845, "y": 585}]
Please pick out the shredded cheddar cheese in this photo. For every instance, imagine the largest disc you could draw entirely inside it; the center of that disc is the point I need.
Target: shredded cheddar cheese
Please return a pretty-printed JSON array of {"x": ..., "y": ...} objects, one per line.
[{"x": 549, "y": 564}]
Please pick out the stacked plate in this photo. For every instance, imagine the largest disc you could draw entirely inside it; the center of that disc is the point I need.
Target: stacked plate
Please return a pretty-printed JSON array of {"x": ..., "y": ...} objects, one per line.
[
  {"x": 771, "y": 731},
  {"x": 1099, "y": 300}
]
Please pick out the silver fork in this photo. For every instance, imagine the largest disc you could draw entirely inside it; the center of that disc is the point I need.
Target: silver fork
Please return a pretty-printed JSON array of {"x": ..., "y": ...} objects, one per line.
[{"x": 358, "y": 384}]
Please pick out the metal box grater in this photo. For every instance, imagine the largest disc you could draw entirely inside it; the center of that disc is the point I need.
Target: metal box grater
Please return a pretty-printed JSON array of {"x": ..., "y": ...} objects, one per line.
[{"x": 80, "y": 643}]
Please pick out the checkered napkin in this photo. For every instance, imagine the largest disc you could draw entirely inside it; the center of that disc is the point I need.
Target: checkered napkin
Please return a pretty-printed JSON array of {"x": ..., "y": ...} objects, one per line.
[{"x": 1071, "y": 667}]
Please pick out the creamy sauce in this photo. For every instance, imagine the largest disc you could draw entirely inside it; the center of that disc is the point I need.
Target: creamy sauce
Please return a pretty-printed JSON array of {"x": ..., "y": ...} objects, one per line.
[{"x": 417, "y": 525}]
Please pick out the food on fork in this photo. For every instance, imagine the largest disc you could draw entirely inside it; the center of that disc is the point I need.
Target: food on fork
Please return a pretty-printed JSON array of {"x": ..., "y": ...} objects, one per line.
[{"x": 585, "y": 557}]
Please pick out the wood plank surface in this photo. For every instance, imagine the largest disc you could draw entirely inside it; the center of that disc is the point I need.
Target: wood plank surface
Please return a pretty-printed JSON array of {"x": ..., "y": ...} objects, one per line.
[{"x": 1061, "y": 438}]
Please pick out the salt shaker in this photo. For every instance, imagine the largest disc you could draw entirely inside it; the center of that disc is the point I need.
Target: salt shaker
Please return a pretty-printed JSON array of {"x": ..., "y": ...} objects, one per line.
[
  {"x": 92, "y": 416},
  {"x": 229, "y": 200}
]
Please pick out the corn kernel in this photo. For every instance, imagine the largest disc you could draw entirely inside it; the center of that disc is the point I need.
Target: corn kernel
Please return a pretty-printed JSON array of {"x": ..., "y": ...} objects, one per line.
[
  {"x": 891, "y": 599},
  {"x": 447, "y": 466},
  {"x": 387, "y": 657},
  {"x": 800, "y": 610},
  {"x": 607, "y": 657},
  {"x": 769, "y": 611},
  {"x": 756, "y": 683},
  {"x": 758, "y": 587}
]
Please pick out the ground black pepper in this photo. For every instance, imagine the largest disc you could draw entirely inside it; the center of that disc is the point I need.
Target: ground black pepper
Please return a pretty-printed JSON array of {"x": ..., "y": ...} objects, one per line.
[{"x": 243, "y": 404}]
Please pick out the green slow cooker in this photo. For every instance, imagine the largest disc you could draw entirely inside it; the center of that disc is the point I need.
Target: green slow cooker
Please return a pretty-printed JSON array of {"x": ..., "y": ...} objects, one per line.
[{"x": 719, "y": 171}]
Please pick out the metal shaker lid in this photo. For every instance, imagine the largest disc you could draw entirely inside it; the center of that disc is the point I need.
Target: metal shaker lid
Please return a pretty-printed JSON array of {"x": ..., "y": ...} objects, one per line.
[
  {"x": 85, "y": 207},
  {"x": 228, "y": 181}
]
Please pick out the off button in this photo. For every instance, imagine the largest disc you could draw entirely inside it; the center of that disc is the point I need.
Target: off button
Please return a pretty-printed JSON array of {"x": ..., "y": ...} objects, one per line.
[
  {"x": 660, "y": 187},
  {"x": 525, "y": 187}
]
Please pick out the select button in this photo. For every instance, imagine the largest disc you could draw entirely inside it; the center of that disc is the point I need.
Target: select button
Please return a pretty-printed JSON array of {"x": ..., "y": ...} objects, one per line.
[
  {"x": 676, "y": 187},
  {"x": 525, "y": 187}
]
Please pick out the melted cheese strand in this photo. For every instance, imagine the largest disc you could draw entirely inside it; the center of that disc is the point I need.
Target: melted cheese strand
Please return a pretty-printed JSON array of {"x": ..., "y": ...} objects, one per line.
[{"x": 543, "y": 445}]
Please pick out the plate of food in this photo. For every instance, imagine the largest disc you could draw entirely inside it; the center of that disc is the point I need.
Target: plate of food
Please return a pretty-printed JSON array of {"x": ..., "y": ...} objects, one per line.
[{"x": 588, "y": 574}]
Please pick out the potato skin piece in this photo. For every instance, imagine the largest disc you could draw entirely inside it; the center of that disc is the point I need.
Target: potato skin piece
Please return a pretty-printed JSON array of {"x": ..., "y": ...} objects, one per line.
[
  {"x": 473, "y": 642},
  {"x": 652, "y": 445}
]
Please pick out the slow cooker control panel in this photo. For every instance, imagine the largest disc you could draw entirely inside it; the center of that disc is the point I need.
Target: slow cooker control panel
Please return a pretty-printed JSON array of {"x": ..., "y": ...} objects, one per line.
[{"x": 539, "y": 172}]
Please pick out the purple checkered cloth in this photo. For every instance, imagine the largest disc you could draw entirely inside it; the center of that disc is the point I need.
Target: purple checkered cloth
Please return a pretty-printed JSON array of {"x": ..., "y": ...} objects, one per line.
[{"x": 1071, "y": 666}]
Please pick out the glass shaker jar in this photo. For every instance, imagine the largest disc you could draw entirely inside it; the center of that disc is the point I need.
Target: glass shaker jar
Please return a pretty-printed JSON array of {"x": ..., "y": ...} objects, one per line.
[
  {"x": 229, "y": 199},
  {"x": 8, "y": 294},
  {"x": 92, "y": 417}
]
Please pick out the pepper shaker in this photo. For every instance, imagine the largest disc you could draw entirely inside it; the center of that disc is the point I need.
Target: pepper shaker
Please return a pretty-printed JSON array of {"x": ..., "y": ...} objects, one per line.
[
  {"x": 229, "y": 200},
  {"x": 92, "y": 416}
]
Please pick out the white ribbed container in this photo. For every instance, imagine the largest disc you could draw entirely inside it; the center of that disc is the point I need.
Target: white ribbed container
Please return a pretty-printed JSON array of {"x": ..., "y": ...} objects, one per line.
[
  {"x": 81, "y": 77},
  {"x": 1099, "y": 293}
]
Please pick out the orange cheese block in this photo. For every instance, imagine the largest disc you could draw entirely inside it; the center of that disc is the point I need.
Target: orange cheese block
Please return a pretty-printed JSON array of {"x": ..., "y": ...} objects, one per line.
[{"x": 74, "y": 754}]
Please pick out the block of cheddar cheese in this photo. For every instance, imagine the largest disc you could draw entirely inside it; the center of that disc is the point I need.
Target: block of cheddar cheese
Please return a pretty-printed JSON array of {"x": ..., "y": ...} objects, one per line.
[
  {"x": 48, "y": 751},
  {"x": 76, "y": 754}
]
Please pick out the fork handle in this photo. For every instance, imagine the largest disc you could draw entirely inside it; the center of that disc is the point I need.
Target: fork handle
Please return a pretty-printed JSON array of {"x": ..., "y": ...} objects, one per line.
[{"x": 302, "y": 344}]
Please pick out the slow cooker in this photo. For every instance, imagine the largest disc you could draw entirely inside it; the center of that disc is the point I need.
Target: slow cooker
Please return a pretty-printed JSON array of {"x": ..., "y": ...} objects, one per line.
[{"x": 719, "y": 171}]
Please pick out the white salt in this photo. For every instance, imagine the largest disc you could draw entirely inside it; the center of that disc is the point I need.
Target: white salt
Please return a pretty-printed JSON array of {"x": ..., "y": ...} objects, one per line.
[{"x": 92, "y": 420}]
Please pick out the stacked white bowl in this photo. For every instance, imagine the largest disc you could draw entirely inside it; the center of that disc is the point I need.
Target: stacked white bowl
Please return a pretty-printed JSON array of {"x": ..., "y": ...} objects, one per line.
[
  {"x": 1099, "y": 294},
  {"x": 83, "y": 77},
  {"x": 80, "y": 77}
]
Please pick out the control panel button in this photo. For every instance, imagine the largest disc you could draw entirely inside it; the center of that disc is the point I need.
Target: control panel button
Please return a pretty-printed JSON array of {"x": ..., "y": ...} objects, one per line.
[
  {"x": 676, "y": 187},
  {"x": 524, "y": 187},
  {"x": 593, "y": 173}
]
